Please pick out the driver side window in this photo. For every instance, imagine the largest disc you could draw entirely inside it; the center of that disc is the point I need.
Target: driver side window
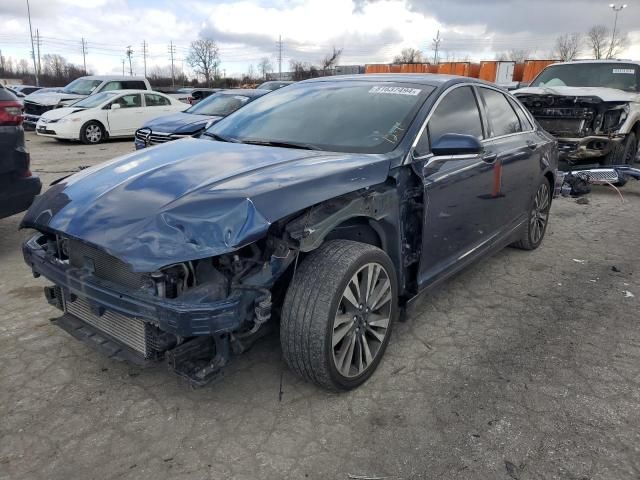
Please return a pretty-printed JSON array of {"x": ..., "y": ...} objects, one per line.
[{"x": 457, "y": 113}]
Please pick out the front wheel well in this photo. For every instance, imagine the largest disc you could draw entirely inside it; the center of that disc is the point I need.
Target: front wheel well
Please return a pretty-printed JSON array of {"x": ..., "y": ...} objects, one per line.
[{"x": 358, "y": 229}]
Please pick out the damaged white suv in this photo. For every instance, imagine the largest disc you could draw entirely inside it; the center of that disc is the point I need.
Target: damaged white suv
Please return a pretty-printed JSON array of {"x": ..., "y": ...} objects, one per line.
[{"x": 591, "y": 107}]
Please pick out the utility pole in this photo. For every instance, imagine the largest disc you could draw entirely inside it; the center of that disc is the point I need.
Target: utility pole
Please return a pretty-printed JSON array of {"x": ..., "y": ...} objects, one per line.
[
  {"x": 33, "y": 50},
  {"x": 84, "y": 54},
  {"x": 144, "y": 56},
  {"x": 172, "y": 52},
  {"x": 123, "y": 67},
  {"x": 280, "y": 57},
  {"x": 38, "y": 43},
  {"x": 617, "y": 9},
  {"x": 436, "y": 47},
  {"x": 129, "y": 52}
]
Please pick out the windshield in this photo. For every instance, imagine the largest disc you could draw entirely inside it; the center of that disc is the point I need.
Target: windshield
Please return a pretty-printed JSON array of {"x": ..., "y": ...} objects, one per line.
[
  {"x": 94, "y": 100},
  {"x": 219, "y": 104},
  {"x": 82, "y": 86},
  {"x": 623, "y": 76},
  {"x": 355, "y": 116}
]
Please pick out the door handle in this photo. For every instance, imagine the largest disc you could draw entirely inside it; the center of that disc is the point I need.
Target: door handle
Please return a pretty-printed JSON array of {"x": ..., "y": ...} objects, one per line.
[
  {"x": 532, "y": 145},
  {"x": 489, "y": 157}
]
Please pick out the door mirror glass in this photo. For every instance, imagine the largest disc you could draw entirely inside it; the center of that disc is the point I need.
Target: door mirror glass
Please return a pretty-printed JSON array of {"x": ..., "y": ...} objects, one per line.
[
  {"x": 115, "y": 106},
  {"x": 456, "y": 144}
]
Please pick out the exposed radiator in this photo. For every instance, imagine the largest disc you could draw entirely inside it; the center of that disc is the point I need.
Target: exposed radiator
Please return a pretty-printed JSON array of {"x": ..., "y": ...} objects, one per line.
[
  {"x": 103, "y": 265},
  {"x": 133, "y": 332}
]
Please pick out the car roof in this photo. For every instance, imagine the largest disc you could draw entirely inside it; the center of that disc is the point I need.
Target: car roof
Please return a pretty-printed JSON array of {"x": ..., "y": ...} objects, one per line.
[
  {"x": 430, "y": 79},
  {"x": 112, "y": 77},
  {"x": 247, "y": 92},
  {"x": 611, "y": 60}
]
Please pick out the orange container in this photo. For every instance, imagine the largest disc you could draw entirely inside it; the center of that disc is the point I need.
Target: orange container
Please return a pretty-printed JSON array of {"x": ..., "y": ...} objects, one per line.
[
  {"x": 377, "y": 68},
  {"x": 518, "y": 72},
  {"x": 445, "y": 68},
  {"x": 488, "y": 71},
  {"x": 414, "y": 68},
  {"x": 533, "y": 67},
  {"x": 433, "y": 68}
]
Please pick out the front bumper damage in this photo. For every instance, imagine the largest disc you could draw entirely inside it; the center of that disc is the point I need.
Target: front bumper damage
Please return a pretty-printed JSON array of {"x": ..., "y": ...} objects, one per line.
[
  {"x": 195, "y": 338},
  {"x": 591, "y": 148},
  {"x": 578, "y": 182}
]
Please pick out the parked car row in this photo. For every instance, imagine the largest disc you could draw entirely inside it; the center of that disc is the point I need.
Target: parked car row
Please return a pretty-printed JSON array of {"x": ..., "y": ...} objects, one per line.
[
  {"x": 325, "y": 206},
  {"x": 18, "y": 186}
]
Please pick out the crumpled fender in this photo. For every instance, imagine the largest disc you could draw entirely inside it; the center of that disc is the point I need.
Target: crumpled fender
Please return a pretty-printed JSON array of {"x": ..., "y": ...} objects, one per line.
[{"x": 195, "y": 198}]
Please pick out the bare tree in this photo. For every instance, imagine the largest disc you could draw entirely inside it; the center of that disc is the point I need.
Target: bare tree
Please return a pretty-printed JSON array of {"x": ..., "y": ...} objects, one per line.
[
  {"x": 598, "y": 41},
  {"x": 409, "y": 55},
  {"x": 518, "y": 55},
  {"x": 265, "y": 67},
  {"x": 251, "y": 74},
  {"x": 617, "y": 45},
  {"x": 331, "y": 59},
  {"x": 204, "y": 58},
  {"x": 567, "y": 47}
]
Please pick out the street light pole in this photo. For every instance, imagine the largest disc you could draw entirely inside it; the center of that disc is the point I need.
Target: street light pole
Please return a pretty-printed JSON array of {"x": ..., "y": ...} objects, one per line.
[{"x": 617, "y": 9}]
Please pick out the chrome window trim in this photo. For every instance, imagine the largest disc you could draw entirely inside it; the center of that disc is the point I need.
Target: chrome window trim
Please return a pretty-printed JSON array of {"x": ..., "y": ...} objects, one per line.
[{"x": 410, "y": 157}]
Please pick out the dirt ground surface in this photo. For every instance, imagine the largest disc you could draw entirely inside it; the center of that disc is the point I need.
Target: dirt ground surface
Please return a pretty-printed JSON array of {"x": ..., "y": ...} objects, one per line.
[{"x": 524, "y": 366}]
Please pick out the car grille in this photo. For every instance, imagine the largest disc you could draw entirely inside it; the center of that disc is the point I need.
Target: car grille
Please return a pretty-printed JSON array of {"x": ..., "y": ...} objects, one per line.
[
  {"x": 31, "y": 108},
  {"x": 563, "y": 127},
  {"x": 598, "y": 176},
  {"x": 158, "y": 137},
  {"x": 130, "y": 331},
  {"x": 103, "y": 265}
]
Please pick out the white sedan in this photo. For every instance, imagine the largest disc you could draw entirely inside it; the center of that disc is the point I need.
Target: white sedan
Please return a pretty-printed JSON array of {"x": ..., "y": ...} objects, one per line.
[{"x": 116, "y": 113}]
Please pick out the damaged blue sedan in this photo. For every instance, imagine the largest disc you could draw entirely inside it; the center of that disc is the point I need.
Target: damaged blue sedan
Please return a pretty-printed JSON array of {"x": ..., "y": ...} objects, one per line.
[{"x": 322, "y": 208}]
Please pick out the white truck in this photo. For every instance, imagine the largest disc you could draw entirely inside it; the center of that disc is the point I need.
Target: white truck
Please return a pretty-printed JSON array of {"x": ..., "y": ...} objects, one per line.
[
  {"x": 36, "y": 104},
  {"x": 591, "y": 107}
]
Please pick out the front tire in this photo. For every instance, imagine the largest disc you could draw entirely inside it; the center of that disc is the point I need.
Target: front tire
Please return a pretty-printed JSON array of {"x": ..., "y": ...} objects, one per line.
[
  {"x": 538, "y": 219},
  {"x": 338, "y": 313},
  {"x": 92, "y": 133}
]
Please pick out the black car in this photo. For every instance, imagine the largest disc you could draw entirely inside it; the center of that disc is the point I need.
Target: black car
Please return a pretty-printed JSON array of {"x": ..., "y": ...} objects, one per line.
[
  {"x": 195, "y": 119},
  {"x": 18, "y": 186},
  {"x": 197, "y": 94},
  {"x": 325, "y": 207},
  {"x": 274, "y": 84}
]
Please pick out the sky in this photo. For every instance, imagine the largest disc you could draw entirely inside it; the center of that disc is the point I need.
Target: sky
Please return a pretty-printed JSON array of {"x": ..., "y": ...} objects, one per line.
[{"x": 368, "y": 31}]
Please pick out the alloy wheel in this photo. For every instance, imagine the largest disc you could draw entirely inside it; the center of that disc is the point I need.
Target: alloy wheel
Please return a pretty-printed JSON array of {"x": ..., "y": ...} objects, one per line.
[
  {"x": 540, "y": 213},
  {"x": 93, "y": 133},
  {"x": 362, "y": 320}
]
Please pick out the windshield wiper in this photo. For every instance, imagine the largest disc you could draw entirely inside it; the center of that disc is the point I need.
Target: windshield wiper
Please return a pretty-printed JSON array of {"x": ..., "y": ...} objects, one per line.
[
  {"x": 276, "y": 143},
  {"x": 220, "y": 138}
]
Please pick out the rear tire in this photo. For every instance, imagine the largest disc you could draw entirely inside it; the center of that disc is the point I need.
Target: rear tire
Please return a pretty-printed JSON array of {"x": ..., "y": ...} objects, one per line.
[
  {"x": 538, "y": 218},
  {"x": 338, "y": 313},
  {"x": 92, "y": 133}
]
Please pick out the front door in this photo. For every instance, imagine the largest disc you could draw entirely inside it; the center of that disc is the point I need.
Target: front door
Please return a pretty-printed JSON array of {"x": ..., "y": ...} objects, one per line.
[
  {"x": 462, "y": 208},
  {"x": 129, "y": 117}
]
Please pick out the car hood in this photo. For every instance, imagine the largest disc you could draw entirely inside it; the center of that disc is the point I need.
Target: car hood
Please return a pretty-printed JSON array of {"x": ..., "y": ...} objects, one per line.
[
  {"x": 179, "y": 121},
  {"x": 58, "y": 113},
  {"x": 52, "y": 98},
  {"x": 195, "y": 198},
  {"x": 605, "y": 94}
]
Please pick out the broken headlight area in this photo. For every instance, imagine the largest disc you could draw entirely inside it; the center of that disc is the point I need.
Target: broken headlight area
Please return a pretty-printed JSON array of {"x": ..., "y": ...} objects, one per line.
[{"x": 194, "y": 313}]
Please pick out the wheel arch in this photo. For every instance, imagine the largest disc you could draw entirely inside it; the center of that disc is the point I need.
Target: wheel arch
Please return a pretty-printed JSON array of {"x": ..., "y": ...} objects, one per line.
[{"x": 105, "y": 129}]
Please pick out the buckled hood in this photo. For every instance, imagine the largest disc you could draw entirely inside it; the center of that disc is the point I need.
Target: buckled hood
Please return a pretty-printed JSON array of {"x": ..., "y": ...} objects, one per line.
[{"x": 195, "y": 198}]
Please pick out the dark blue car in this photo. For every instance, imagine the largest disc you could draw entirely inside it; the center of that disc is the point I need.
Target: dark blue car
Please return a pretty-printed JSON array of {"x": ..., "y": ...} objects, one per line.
[
  {"x": 324, "y": 207},
  {"x": 194, "y": 120}
]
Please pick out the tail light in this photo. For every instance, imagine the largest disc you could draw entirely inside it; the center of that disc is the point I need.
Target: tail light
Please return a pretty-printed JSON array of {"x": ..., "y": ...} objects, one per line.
[{"x": 11, "y": 113}]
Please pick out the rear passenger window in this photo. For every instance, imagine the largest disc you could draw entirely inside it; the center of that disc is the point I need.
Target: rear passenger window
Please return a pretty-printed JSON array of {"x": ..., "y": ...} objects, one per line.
[
  {"x": 133, "y": 85},
  {"x": 112, "y": 86},
  {"x": 524, "y": 120},
  {"x": 502, "y": 117},
  {"x": 457, "y": 113},
  {"x": 153, "y": 100}
]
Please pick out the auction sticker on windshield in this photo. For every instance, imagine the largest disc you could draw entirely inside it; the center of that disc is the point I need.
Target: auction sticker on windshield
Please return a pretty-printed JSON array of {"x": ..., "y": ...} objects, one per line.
[
  {"x": 629, "y": 71},
  {"x": 396, "y": 90}
]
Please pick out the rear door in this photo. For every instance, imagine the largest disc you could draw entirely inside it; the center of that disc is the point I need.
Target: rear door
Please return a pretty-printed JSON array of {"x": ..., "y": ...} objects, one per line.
[
  {"x": 517, "y": 166},
  {"x": 460, "y": 214},
  {"x": 129, "y": 117},
  {"x": 156, "y": 106}
]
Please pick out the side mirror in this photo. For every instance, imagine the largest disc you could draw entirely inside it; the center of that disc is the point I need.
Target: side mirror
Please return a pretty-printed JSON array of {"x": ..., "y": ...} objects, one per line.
[
  {"x": 209, "y": 123},
  {"x": 115, "y": 106},
  {"x": 456, "y": 144}
]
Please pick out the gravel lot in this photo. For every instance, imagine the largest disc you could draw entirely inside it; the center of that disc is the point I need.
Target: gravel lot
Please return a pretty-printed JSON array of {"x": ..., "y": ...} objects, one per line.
[{"x": 525, "y": 366}]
